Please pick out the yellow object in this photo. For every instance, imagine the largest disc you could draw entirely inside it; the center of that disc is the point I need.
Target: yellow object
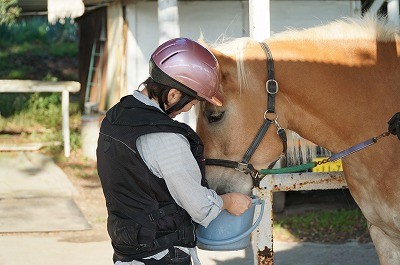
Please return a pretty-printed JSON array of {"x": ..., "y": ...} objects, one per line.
[{"x": 328, "y": 167}]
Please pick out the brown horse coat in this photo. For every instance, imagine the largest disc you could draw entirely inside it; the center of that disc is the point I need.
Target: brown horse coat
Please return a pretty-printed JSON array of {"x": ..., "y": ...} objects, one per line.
[{"x": 339, "y": 84}]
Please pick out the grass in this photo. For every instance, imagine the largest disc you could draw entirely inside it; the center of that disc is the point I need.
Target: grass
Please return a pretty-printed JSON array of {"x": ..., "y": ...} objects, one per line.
[
  {"x": 37, "y": 118},
  {"x": 31, "y": 49},
  {"x": 336, "y": 226}
]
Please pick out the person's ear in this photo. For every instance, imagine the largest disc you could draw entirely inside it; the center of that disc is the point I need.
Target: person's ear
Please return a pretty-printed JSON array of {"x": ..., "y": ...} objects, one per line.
[{"x": 174, "y": 95}]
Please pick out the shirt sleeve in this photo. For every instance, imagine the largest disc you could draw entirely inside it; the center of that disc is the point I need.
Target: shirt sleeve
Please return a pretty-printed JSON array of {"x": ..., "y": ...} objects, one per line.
[{"x": 169, "y": 157}]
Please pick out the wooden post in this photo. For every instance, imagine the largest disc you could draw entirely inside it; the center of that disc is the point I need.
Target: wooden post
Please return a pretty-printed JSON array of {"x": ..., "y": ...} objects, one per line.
[
  {"x": 114, "y": 50},
  {"x": 65, "y": 122}
]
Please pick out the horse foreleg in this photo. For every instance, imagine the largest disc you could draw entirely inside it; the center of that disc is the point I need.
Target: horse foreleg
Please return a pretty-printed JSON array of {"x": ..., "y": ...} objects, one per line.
[{"x": 388, "y": 252}]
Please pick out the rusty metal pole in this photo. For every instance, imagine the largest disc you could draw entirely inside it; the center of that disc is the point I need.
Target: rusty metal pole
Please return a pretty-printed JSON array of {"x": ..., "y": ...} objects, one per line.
[
  {"x": 263, "y": 236},
  {"x": 263, "y": 240}
]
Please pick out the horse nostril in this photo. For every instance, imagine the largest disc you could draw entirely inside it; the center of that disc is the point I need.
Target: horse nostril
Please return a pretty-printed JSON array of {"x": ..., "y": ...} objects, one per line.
[{"x": 214, "y": 116}]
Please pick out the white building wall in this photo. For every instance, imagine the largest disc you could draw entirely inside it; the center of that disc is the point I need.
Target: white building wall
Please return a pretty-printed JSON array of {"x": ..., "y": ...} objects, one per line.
[
  {"x": 229, "y": 18},
  {"x": 304, "y": 14},
  {"x": 214, "y": 19}
]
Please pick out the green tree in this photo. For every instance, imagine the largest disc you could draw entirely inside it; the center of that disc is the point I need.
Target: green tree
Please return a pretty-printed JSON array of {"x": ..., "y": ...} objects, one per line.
[{"x": 9, "y": 11}]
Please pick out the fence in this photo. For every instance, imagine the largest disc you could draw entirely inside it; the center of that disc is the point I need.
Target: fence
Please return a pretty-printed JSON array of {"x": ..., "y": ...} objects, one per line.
[
  {"x": 31, "y": 86},
  {"x": 263, "y": 236}
]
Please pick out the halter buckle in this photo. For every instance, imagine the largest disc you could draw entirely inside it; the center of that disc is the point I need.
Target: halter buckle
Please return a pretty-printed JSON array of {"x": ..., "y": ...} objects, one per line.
[
  {"x": 269, "y": 85},
  {"x": 242, "y": 167}
]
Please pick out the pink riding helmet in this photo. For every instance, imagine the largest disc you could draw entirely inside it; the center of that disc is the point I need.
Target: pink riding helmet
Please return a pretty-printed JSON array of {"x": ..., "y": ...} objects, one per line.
[{"x": 189, "y": 67}]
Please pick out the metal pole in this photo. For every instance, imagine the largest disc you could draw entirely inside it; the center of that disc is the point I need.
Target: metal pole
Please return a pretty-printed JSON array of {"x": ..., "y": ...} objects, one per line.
[
  {"x": 263, "y": 236},
  {"x": 356, "y": 8},
  {"x": 376, "y": 4},
  {"x": 259, "y": 19},
  {"x": 168, "y": 27},
  {"x": 393, "y": 12},
  {"x": 168, "y": 20},
  {"x": 259, "y": 23}
]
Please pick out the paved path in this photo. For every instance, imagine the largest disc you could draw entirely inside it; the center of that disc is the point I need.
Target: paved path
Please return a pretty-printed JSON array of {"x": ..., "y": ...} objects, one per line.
[
  {"x": 33, "y": 176},
  {"x": 36, "y": 195},
  {"x": 40, "y": 250}
]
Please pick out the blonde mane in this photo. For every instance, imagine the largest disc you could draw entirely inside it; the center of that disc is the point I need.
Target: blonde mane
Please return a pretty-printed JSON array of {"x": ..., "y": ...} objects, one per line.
[
  {"x": 235, "y": 47},
  {"x": 372, "y": 28}
]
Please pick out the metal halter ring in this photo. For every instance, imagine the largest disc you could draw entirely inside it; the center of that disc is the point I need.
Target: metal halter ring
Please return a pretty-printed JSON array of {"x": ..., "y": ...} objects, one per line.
[
  {"x": 278, "y": 126},
  {"x": 266, "y": 112},
  {"x": 277, "y": 87}
]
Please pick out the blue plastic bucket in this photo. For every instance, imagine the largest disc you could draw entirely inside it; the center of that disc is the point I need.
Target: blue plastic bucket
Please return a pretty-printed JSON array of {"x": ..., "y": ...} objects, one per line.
[{"x": 229, "y": 232}]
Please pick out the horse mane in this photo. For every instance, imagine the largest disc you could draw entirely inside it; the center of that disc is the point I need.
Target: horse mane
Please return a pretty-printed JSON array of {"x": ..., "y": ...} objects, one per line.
[
  {"x": 368, "y": 27},
  {"x": 235, "y": 47}
]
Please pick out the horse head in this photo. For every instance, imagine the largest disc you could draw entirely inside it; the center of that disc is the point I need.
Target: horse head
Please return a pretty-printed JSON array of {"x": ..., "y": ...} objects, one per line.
[{"x": 228, "y": 131}]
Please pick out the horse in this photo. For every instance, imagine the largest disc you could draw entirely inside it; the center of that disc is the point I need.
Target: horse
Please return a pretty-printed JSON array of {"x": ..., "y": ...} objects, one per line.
[{"x": 337, "y": 85}]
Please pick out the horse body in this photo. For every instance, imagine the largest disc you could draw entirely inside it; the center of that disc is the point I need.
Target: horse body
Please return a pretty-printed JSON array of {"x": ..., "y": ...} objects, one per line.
[
  {"x": 335, "y": 92},
  {"x": 358, "y": 104}
]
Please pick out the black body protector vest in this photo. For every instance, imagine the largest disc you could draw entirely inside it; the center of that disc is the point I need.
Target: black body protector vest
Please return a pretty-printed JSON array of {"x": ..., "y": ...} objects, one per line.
[{"x": 143, "y": 218}]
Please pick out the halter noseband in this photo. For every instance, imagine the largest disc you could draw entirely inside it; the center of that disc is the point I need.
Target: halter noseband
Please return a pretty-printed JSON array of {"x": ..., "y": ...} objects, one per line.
[{"x": 244, "y": 165}]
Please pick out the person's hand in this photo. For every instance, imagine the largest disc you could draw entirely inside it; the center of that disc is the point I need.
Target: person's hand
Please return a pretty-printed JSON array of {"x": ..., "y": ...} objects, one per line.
[{"x": 236, "y": 203}]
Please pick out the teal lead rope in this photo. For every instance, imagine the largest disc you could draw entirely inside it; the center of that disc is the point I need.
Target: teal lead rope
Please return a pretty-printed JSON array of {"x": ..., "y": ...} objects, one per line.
[
  {"x": 292, "y": 169},
  {"x": 394, "y": 128}
]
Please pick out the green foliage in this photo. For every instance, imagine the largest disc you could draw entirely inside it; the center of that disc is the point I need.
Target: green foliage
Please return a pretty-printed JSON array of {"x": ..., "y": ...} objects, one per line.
[
  {"x": 19, "y": 73},
  {"x": 63, "y": 49},
  {"x": 37, "y": 30},
  {"x": 9, "y": 11},
  {"x": 326, "y": 226},
  {"x": 31, "y": 47},
  {"x": 13, "y": 103},
  {"x": 38, "y": 116},
  {"x": 46, "y": 108}
]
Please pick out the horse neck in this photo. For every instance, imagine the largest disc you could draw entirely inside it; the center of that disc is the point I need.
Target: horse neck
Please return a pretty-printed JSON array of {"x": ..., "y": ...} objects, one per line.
[{"x": 327, "y": 94}]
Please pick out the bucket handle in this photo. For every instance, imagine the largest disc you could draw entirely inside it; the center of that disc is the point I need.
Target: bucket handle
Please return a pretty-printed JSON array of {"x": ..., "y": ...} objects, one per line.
[{"x": 238, "y": 237}]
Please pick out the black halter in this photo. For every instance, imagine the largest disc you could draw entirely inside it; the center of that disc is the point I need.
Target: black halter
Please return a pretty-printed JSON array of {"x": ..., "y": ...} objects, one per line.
[{"x": 244, "y": 165}]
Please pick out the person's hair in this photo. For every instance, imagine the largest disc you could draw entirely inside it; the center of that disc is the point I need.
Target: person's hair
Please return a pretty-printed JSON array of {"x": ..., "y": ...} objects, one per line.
[{"x": 156, "y": 90}]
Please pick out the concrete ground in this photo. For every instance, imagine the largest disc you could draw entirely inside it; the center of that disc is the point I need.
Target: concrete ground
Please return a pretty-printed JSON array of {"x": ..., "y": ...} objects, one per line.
[
  {"x": 32, "y": 177},
  {"x": 38, "y": 250}
]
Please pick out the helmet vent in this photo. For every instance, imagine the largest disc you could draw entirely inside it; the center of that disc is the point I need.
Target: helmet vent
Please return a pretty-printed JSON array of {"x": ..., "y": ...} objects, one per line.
[{"x": 169, "y": 57}]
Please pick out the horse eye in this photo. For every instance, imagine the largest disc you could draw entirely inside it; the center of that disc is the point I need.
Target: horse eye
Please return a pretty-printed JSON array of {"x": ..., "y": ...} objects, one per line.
[{"x": 214, "y": 116}]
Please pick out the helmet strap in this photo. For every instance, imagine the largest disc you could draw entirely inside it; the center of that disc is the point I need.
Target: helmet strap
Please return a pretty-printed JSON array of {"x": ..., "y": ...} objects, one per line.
[
  {"x": 180, "y": 104},
  {"x": 162, "y": 96}
]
